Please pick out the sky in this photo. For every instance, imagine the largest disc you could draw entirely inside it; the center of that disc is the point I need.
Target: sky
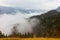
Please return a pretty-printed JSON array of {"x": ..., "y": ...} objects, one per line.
[{"x": 31, "y": 4}]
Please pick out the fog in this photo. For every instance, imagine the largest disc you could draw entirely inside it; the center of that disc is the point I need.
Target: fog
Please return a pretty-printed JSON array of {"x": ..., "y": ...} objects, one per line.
[{"x": 18, "y": 20}]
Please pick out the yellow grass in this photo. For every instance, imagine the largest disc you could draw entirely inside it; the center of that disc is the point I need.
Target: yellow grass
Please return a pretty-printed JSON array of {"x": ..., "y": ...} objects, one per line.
[{"x": 29, "y": 38}]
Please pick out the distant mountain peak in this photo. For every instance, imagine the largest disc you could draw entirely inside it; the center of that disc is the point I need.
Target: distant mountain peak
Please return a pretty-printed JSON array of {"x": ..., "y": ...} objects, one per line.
[{"x": 58, "y": 9}]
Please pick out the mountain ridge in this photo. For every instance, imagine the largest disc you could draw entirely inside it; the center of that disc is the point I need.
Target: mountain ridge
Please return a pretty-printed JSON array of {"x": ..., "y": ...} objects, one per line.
[{"x": 11, "y": 10}]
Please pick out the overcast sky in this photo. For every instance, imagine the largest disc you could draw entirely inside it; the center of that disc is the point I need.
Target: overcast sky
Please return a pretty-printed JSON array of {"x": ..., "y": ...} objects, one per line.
[{"x": 31, "y": 4}]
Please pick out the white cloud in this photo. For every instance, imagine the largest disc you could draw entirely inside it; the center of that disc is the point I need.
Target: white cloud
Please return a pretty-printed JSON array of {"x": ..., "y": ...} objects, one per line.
[
  {"x": 38, "y": 4},
  {"x": 19, "y": 20}
]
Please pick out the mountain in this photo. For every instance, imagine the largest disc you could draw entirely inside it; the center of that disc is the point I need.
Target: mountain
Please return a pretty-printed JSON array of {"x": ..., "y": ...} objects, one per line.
[
  {"x": 49, "y": 25},
  {"x": 58, "y": 9},
  {"x": 11, "y": 10},
  {"x": 7, "y": 10}
]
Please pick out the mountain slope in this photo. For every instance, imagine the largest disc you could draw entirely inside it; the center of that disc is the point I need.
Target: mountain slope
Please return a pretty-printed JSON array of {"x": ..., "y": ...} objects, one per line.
[{"x": 49, "y": 25}]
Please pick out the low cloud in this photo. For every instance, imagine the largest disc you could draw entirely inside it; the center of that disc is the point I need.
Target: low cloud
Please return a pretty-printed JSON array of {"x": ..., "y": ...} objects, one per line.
[{"x": 18, "y": 20}]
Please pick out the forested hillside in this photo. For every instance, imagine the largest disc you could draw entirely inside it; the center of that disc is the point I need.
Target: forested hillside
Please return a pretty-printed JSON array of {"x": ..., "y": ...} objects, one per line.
[{"x": 49, "y": 25}]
